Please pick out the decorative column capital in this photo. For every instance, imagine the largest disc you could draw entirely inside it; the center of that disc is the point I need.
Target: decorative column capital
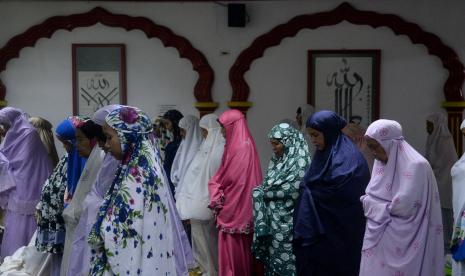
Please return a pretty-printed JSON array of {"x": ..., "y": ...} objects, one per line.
[
  {"x": 205, "y": 108},
  {"x": 240, "y": 105},
  {"x": 454, "y": 105}
]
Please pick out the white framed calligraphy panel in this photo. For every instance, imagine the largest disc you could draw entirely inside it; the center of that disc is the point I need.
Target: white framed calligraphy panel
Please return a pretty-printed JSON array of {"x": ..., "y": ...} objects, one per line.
[
  {"x": 99, "y": 76},
  {"x": 345, "y": 81}
]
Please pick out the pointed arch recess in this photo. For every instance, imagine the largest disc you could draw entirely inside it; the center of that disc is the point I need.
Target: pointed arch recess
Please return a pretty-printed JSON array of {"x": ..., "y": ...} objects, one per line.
[
  {"x": 346, "y": 12},
  {"x": 202, "y": 88}
]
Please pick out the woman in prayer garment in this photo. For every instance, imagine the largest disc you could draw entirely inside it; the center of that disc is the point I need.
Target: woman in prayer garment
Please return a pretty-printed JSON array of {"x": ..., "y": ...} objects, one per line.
[
  {"x": 171, "y": 119},
  {"x": 183, "y": 253},
  {"x": 458, "y": 204},
  {"x": 43, "y": 254},
  {"x": 80, "y": 254},
  {"x": 28, "y": 260},
  {"x": 29, "y": 167},
  {"x": 43, "y": 257},
  {"x": 275, "y": 199},
  {"x": 356, "y": 133},
  {"x": 51, "y": 226},
  {"x": 191, "y": 140},
  {"x": 441, "y": 154},
  {"x": 44, "y": 128},
  {"x": 193, "y": 197},
  {"x": 328, "y": 217},
  {"x": 79, "y": 260},
  {"x": 86, "y": 142},
  {"x": 403, "y": 233},
  {"x": 132, "y": 234},
  {"x": 66, "y": 133},
  {"x": 231, "y": 195}
]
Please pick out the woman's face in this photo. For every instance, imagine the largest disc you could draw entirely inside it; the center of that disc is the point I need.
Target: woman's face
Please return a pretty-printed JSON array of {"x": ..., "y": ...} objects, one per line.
[
  {"x": 83, "y": 144},
  {"x": 113, "y": 144},
  {"x": 376, "y": 149},
  {"x": 168, "y": 124},
  {"x": 204, "y": 133},
  {"x": 66, "y": 144},
  {"x": 277, "y": 147},
  {"x": 317, "y": 137},
  {"x": 157, "y": 130}
]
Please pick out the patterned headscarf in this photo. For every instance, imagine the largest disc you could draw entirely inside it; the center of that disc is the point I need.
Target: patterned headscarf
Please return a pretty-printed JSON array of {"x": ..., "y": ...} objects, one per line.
[
  {"x": 100, "y": 115},
  {"x": 50, "y": 224},
  {"x": 131, "y": 233},
  {"x": 274, "y": 201}
]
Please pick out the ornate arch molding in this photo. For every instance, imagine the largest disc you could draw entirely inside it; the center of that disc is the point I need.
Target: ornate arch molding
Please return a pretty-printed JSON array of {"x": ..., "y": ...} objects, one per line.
[
  {"x": 202, "y": 89},
  {"x": 345, "y": 12}
]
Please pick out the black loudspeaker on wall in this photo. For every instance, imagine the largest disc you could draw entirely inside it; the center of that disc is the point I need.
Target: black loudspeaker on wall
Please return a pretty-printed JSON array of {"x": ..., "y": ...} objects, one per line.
[{"x": 236, "y": 15}]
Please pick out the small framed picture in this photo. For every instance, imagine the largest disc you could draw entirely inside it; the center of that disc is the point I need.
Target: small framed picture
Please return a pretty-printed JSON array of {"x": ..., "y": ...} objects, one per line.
[
  {"x": 99, "y": 76},
  {"x": 346, "y": 82}
]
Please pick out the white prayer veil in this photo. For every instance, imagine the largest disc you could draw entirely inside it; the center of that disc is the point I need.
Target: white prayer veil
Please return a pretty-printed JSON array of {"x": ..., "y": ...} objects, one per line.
[
  {"x": 187, "y": 150},
  {"x": 193, "y": 198},
  {"x": 441, "y": 154}
]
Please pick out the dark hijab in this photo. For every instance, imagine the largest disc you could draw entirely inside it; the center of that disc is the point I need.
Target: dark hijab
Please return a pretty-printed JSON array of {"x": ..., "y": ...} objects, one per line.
[
  {"x": 93, "y": 131},
  {"x": 174, "y": 117},
  {"x": 328, "y": 221}
]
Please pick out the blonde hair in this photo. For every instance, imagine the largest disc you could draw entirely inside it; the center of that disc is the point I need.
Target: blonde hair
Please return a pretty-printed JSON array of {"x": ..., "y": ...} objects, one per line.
[{"x": 44, "y": 128}]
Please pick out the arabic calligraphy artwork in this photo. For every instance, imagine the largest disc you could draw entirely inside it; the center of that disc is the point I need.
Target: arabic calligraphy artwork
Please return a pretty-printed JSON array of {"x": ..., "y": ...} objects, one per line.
[
  {"x": 98, "y": 77},
  {"x": 345, "y": 81}
]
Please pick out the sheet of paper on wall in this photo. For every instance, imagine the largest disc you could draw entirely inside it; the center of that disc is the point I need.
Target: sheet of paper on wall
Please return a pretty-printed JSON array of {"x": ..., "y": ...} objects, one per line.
[
  {"x": 97, "y": 89},
  {"x": 162, "y": 108}
]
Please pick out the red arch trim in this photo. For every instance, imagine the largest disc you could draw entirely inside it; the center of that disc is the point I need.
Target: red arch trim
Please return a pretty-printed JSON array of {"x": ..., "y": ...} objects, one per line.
[
  {"x": 202, "y": 89},
  {"x": 345, "y": 12}
]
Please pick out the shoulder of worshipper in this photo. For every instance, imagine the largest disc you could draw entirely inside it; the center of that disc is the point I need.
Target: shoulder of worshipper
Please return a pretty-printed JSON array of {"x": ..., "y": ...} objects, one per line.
[
  {"x": 420, "y": 165},
  {"x": 241, "y": 149},
  {"x": 244, "y": 146}
]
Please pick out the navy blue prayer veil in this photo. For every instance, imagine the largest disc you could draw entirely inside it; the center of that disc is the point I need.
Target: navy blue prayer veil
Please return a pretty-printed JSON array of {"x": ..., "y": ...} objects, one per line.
[
  {"x": 328, "y": 221},
  {"x": 340, "y": 158},
  {"x": 174, "y": 116}
]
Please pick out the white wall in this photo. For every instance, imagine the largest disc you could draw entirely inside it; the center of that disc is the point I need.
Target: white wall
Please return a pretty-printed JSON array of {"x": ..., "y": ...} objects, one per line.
[{"x": 411, "y": 80}]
